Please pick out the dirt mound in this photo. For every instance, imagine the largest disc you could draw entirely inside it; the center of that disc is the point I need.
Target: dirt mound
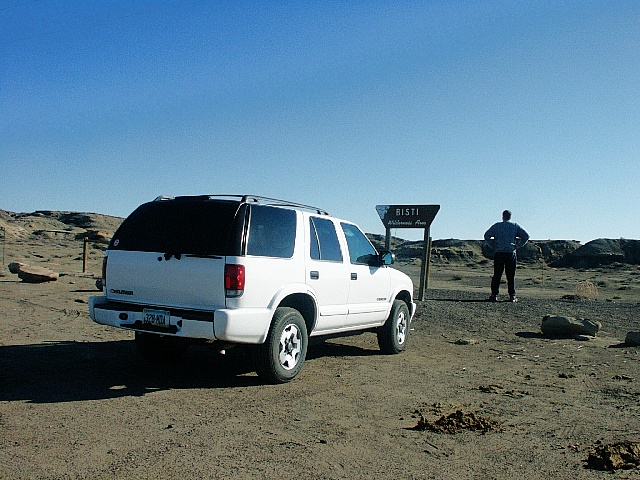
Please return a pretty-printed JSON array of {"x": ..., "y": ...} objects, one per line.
[
  {"x": 615, "y": 456},
  {"x": 457, "y": 422}
]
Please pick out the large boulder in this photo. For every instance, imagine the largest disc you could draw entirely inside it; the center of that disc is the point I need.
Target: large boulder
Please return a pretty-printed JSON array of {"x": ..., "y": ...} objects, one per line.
[
  {"x": 633, "y": 339},
  {"x": 557, "y": 326},
  {"x": 14, "y": 267},
  {"x": 34, "y": 274}
]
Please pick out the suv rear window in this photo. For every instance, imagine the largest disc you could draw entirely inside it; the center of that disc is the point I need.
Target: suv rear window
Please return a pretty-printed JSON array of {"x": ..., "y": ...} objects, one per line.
[{"x": 180, "y": 226}]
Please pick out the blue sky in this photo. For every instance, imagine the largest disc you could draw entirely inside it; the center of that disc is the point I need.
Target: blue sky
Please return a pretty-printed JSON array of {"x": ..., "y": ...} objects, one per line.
[{"x": 474, "y": 105}]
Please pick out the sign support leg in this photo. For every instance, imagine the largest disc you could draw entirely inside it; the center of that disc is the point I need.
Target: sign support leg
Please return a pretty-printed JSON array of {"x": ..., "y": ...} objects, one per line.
[{"x": 426, "y": 260}]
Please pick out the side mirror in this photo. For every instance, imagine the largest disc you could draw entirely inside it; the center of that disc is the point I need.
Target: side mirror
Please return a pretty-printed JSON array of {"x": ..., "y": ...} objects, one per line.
[{"x": 387, "y": 257}]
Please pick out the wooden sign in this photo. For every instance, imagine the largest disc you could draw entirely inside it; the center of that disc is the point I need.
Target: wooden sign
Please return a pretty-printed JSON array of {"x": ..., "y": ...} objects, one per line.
[
  {"x": 407, "y": 216},
  {"x": 411, "y": 216}
]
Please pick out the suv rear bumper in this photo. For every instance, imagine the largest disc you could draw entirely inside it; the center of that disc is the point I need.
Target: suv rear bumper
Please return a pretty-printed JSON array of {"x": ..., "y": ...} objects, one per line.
[{"x": 238, "y": 326}]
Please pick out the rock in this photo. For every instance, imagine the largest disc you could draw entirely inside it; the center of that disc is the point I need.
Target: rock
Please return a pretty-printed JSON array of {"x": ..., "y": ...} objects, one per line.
[
  {"x": 633, "y": 339},
  {"x": 30, "y": 274},
  {"x": 569, "y": 327},
  {"x": 583, "y": 338},
  {"x": 466, "y": 341},
  {"x": 14, "y": 267}
]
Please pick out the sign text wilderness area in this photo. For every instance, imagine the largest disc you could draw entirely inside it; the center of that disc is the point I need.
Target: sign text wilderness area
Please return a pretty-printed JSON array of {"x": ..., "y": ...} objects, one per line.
[{"x": 407, "y": 216}]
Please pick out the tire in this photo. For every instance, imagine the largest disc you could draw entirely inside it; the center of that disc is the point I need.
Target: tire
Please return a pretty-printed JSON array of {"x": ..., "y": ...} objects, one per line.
[
  {"x": 392, "y": 336},
  {"x": 279, "y": 359},
  {"x": 160, "y": 348}
]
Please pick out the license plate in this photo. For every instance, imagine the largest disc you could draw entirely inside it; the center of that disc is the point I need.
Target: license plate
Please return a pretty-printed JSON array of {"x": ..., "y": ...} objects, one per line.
[{"x": 158, "y": 318}]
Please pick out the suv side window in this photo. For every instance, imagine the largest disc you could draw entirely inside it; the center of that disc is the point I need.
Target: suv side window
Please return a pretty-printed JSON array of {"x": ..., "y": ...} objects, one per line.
[
  {"x": 361, "y": 252},
  {"x": 272, "y": 232},
  {"x": 324, "y": 240}
]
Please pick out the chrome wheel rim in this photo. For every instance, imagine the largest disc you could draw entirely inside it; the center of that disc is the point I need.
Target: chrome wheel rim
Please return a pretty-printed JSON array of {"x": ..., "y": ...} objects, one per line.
[
  {"x": 290, "y": 347},
  {"x": 401, "y": 327}
]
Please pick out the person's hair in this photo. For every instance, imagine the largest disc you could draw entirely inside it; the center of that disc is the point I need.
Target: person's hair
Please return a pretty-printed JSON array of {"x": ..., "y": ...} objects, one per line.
[{"x": 506, "y": 215}]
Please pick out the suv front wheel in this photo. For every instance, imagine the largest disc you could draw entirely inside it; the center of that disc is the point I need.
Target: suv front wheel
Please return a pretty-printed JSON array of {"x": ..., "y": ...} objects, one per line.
[
  {"x": 280, "y": 358},
  {"x": 392, "y": 336}
]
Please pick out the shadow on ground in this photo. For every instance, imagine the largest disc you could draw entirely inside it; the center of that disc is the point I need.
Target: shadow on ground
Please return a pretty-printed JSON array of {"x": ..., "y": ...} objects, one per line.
[{"x": 55, "y": 372}]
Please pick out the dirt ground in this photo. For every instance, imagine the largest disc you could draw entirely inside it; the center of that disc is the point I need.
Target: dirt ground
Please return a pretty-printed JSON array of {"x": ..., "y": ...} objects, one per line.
[{"x": 479, "y": 392}]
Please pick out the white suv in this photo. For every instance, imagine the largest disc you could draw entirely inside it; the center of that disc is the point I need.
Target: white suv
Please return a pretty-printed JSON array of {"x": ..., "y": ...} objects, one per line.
[{"x": 246, "y": 270}]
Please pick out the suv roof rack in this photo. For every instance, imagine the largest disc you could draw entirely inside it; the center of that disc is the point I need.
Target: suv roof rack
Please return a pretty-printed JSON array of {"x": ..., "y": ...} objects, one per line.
[{"x": 247, "y": 199}]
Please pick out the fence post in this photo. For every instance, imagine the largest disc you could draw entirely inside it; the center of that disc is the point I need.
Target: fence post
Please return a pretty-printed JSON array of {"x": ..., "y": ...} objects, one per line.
[
  {"x": 84, "y": 255},
  {"x": 4, "y": 238}
]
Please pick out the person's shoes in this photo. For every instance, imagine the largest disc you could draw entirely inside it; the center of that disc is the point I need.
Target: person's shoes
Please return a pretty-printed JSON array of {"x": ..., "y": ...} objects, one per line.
[
  {"x": 492, "y": 299},
  {"x": 513, "y": 299}
]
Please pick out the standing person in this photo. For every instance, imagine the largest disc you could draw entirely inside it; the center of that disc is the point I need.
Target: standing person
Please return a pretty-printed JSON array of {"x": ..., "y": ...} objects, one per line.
[{"x": 505, "y": 238}]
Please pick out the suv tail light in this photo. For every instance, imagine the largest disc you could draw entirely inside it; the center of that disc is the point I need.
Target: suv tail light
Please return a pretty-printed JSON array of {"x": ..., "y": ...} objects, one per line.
[
  {"x": 234, "y": 280},
  {"x": 104, "y": 272}
]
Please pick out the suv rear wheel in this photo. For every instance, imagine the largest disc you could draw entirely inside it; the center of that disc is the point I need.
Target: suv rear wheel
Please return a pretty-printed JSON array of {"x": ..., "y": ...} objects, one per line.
[
  {"x": 392, "y": 336},
  {"x": 280, "y": 358}
]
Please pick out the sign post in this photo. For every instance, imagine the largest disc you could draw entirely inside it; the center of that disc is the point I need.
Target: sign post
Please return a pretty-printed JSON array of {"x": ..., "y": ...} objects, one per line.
[{"x": 411, "y": 216}]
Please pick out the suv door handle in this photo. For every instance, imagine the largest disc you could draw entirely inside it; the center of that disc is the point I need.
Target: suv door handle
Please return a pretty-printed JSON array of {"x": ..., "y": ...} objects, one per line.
[
  {"x": 314, "y": 274},
  {"x": 354, "y": 276}
]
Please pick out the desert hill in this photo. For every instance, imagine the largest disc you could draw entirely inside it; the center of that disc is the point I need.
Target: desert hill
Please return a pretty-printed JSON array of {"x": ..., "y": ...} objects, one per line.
[
  {"x": 556, "y": 253},
  {"x": 48, "y": 223}
]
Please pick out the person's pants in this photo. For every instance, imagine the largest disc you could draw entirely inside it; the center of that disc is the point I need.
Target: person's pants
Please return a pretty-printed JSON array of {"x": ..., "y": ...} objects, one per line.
[{"x": 504, "y": 262}]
